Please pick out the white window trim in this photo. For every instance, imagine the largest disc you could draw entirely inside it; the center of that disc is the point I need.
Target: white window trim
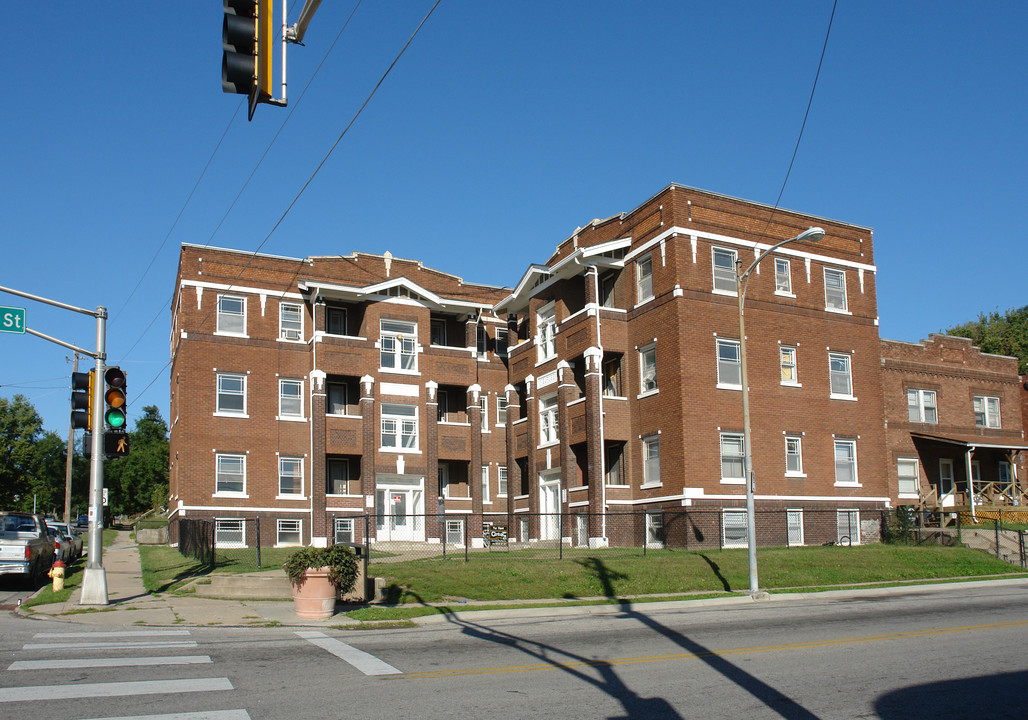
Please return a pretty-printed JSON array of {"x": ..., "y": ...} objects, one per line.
[
  {"x": 501, "y": 399},
  {"x": 799, "y": 441},
  {"x": 713, "y": 272},
  {"x": 784, "y": 293},
  {"x": 849, "y": 372},
  {"x": 228, "y": 333},
  {"x": 484, "y": 479},
  {"x": 278, "y": 532},
  {"x": 917, "y": 476},
  {"x": 282, "y": 416},
  {"x": 546, "y": 332},
  {"x": 303, "y": 483},
  {"x": 853, "y": 541},
  {"x": 721, "y": 458},
  {"x": 922, "y": 405},
  {"x": 717, "y": 358},
  {"x": 656, "y": 387},
  {"x": 736, "y": 512},
  {"x": 795, "y": 367},
  {"x": 551, "y": 410},
  {"x": 985, "y": 404},
  {"x": 845, "y": 292},
  {"x": 397, "y": 353},
  {"x": 803, "y": 540},
  {"x": 646, "y": 482},
  {"x": 856, "y": 477},
  {"x": 483, "y": 413},
  {"x": 501, "y": 472},
  {"x": 282, "y": 332},
  {"x": 217, "y": 396},
  {"x": 384, "y": 415},
  {"x": 229, "y": 493},
  {"x": 639, "y": 298}
]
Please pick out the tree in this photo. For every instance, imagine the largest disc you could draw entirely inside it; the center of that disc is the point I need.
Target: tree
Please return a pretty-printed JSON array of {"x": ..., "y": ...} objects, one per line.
[
  {"x": 31, "y": 460},
  {"x": 999, "y": 334},
  {"x": 139, "y": 482}
]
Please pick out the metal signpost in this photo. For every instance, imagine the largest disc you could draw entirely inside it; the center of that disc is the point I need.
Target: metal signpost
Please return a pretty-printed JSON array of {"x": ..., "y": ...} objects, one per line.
[{"x": 94, "y": 579}]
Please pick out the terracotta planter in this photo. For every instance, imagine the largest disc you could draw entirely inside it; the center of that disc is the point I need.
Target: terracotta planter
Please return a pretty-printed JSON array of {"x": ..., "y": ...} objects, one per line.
[{"x": 315, "y": 599}]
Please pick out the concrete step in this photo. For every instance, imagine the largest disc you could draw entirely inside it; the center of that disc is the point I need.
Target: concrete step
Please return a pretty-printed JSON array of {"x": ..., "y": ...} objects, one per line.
[{"x": 250, "y": 587}]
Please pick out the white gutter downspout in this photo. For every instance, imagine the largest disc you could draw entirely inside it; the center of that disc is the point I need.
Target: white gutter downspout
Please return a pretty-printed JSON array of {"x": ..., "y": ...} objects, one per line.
[{"x": 970, "y": 480}]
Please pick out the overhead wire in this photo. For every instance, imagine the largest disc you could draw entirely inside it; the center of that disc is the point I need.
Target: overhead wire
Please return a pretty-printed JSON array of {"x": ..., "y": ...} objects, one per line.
[{"x": 314, "y": 174}]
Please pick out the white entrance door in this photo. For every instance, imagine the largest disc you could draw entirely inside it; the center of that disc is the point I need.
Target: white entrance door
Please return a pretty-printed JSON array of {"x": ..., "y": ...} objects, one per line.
[
  {"x": 549, "y": 506},
  {"x": 400, "y": 502},
  {"x": 946, "y": 485}
]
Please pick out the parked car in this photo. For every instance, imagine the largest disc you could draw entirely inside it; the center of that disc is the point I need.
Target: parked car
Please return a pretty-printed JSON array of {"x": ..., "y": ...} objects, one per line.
[
  {"x": 74, "y": 537},
  {"x": 82, "y": 521},
  {"x": 62, "y": 545},
  {"x": 26, "y": 547}
]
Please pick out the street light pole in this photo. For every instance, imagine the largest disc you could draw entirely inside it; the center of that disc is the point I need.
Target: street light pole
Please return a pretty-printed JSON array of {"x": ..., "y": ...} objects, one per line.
[{"x": 813, "y": 234}]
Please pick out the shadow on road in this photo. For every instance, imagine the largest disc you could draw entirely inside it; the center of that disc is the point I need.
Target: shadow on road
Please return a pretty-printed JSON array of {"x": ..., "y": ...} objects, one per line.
[{"x": 654, "y": 708}]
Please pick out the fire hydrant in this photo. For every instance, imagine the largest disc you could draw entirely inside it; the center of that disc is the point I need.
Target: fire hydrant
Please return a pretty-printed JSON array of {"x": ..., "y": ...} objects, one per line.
[{"x": 57, "y": 573}]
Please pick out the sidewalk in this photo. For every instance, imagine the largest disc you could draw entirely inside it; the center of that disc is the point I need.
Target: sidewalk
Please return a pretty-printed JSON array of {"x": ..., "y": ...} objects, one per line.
[{"x": 130, "y": 604}]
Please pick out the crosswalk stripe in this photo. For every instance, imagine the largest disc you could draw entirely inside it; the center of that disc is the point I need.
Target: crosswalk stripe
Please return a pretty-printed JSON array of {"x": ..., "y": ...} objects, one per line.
[
  {"x": 365, "y": 662},
  {"x": 96, "y": 690},
  {"x": 72, "y": 663},
  {"x": 114, "y": 634},
  {"x": 108, "y": 645},
  {"x": 202, "y": 715}
]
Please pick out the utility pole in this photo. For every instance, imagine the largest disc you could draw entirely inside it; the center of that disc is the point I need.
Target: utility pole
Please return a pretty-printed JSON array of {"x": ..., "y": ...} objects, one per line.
[{"x": 71, "y": 452}]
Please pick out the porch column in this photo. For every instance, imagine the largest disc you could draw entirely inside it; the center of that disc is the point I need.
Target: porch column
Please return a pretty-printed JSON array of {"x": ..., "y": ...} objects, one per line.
[
  {"x": 433, "y": 526},
  {"x": 320, "y": 531},
  {"x": 970, "y": 480},
  {"x": 369, "y": 438}
]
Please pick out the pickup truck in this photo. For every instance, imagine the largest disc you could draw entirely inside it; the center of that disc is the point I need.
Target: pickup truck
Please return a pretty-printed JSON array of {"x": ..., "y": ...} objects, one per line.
[{"x": 25, "y": 546}]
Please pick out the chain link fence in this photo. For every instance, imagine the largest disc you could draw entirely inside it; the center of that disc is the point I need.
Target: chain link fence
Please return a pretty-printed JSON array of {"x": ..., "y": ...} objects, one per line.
[{"x": 235, "y": 541}]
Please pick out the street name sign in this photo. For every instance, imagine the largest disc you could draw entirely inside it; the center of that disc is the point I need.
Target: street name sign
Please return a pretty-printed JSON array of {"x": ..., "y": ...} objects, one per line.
[{"x": 12, "y": 319}]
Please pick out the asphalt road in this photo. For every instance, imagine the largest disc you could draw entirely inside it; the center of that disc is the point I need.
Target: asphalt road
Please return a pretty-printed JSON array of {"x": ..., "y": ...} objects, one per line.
[{"x": 956, "y": 652}]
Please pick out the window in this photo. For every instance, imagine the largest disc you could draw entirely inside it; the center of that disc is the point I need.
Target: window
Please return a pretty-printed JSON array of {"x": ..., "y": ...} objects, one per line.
[
  {"x": 398, "y": 345},
  {"x": 399, "y": 427},
  {"x": 849, "y": 527},
  {"x": 729, "y": 365},
  {"x": 290, "y": 476},
  {"x": 485, "y": 483},
  {"x": 612, "y": 376},
  {"x": 835, "y": 290},
  {"x": 438, "y": 331},
  {"x": 523, "y": 529},
  {"x": 648, "y": 369},
  {"x": 644, "y": 278},
  {"x": 483, "y": 412},
  {"x": 231, "y": 394},
  {"x": 906, "y": 469},
  {"x": 501, "y": 481},
  {"x": 342, "y": 530},
  {"x": 455, "y": 532},
  {"x": 725, "y": 279},
  {"x": 651, "y": 460},
  {"x": 481, "y": 341},
  {"x": 733, "y": 524},
  {"x": 733, "y": 466},
  {"x": 845, "y": 462},
  {"x": 343, "y": 476},
  {"x": 839, "y": 375},
  {"x": 548, "y": 420},
  {"x": 335, "y": 320},
  {"x": 793, "y": 455},
  {"x": 229, "y": 534},
  {"x": 231, "y": 315},
  {"x": 986, "y": 411},
  {"x": 613, "y": 460},
  {"x": 921, "y": 406},
  {"x": 1003, "y": 473},
  {"x": 290, "y": 532},
  {"x": 794, "y": 524},
  {"x": 546, "y": 338},
  {"x": 501, "y": 410},
  {"x": 290, "y": 398},
  {"x": 787, "y": 360},
  {"x": 230, "y": 474},
  {"x": 338, "y": 398},
  {"x": 654, "y": 530},
  {"x": 502, "y": 341},
  {"x": 607, "y": 290},
  {"x": 783, "y": 277},
  {"x": 442, "y": 407},
  {"x": 290, "y": 321}
]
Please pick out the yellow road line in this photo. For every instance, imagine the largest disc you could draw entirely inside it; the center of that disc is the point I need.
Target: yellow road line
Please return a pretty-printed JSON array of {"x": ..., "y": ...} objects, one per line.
[{"x": 719, "y": 653}]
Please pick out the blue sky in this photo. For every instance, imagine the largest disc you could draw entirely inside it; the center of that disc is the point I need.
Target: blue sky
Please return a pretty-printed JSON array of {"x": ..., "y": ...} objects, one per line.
[{"x": 505, "y": 125}]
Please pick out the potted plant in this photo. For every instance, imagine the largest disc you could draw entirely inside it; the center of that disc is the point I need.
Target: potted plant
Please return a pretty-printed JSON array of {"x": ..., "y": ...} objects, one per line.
[{"x": 319, "y": 576}]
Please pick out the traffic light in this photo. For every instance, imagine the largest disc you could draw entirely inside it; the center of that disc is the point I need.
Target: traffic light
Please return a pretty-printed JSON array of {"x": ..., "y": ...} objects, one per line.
[
  {"x": 246, "y": 35},
  {"x": 82, "y": 400},
  {"x": 114, "y": 416},
  {"x": 116, "y": 444}
]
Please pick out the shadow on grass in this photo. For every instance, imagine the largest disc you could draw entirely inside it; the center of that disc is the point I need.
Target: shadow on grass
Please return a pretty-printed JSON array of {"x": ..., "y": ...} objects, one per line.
[{"x": 717, "y": 573}]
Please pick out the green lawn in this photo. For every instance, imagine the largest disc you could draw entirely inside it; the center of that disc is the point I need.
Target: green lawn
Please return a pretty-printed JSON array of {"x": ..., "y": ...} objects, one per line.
[
  {"x": 165, "y": 569},
  {"x": 606, "y": 573}
]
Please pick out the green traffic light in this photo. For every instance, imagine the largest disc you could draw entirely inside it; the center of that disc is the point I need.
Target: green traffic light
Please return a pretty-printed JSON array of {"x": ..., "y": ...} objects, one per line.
[{"x": 115, "y": 417}]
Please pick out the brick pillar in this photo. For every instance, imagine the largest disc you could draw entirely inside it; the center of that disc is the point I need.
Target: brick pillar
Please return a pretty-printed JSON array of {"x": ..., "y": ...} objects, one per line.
[
  {"x": 594, "y": 443},
  {"x": 532, "y": 466},
  {"x": 434, "y": 528},
  {"x": 568, "y": 467},
  {"x": 475, "y": 471},
  {"x": 513, "y": 470},
  {"x": 369, "y": 441},
  {"x": 321, "y": 533}
]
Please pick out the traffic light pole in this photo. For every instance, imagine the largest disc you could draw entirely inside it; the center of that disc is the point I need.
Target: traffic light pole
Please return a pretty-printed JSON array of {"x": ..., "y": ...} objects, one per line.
[{"x": 94, "y": 579}]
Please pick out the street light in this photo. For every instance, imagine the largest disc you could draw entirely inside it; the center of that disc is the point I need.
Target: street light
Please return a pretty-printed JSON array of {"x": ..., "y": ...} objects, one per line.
[{"x": 813, "y": 235}]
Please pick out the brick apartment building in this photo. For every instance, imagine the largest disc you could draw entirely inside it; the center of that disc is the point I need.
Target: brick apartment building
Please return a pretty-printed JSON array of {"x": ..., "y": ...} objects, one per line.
[
  {"x": 954, "y": 424},
  {"x": 339, "y": 396}
]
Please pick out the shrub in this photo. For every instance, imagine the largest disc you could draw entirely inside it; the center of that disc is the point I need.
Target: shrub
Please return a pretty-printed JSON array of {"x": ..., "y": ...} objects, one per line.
[{"x": 339, "y": 559}]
